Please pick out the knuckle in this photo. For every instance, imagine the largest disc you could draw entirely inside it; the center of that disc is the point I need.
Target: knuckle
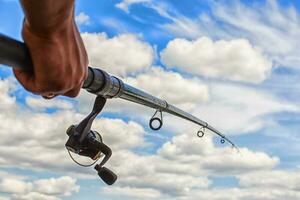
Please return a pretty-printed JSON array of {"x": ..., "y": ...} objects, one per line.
[
  {"x": 59, "y": 86},
  {"x": 73, "y": 93},
  {"x": 51, "y": 86},
  {"x": 79, "y": 78},
  {"x": 40, "y": 89},
  {"x": 85, "y": 74},
  {"x": 82, "y": 79}
]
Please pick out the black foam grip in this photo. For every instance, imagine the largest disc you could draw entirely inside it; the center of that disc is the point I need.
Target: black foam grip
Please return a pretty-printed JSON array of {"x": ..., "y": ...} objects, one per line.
[{"x": 14, "y": 53}]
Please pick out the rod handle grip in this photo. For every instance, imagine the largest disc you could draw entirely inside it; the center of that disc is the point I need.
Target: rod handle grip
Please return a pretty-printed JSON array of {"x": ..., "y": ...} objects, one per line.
[{"x": 15, "y": 54}]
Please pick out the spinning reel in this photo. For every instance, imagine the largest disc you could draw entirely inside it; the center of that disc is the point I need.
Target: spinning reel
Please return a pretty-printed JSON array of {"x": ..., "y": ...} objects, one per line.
[{"x": 85, "y": 142}]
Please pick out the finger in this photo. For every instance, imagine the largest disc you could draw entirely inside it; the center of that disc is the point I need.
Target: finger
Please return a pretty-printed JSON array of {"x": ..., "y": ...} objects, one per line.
[
  {"x": 73, "y": 93},
  {"x": 26, "y": 80}
]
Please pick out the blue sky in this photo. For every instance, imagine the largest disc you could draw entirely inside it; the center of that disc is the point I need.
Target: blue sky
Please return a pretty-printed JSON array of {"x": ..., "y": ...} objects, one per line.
[{"x": 234, "y": 64}]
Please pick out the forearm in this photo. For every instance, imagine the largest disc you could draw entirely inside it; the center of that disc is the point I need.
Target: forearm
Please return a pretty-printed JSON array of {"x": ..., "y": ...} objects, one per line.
[{"x": 46, "y": 17}]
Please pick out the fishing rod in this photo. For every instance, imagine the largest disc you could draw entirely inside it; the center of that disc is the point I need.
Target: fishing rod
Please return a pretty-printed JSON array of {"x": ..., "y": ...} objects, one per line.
[{"x": 82, "y": 140}]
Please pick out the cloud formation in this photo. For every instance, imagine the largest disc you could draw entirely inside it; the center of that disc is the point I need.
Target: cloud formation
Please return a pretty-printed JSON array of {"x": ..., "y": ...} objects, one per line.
[
  {"x": 272, "y": 27},
  {"x": 34, "y": 132},
  {"x": 82, "y": 19},
  {"x": 240, "y": 109},
  {"x": 120, "y": 55},
  {"x": 181, "y": 167},
  {"x": 177, "y": 168},
  {"x": 172, "y": 87},
  {"x": 233, "y": 60},
  {"x": 125, "y": 4},
  {"x": 21, "y": 188},
  {"x": 267, "y": 25}
]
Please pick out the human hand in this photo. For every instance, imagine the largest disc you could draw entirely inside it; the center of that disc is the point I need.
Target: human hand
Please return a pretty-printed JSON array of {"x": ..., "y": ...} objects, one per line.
[{"x": 59, "y": 62}]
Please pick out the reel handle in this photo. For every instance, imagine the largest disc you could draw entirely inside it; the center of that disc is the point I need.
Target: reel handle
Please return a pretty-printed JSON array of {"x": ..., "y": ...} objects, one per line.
[{"x": 106, "y": 175}]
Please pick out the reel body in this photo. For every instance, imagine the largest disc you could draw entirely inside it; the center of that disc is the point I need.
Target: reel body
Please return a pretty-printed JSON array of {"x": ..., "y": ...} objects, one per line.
[{"x": 83, "y": 148}]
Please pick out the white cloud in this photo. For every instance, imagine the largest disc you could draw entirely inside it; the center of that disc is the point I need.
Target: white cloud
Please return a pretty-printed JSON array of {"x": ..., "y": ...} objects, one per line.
[
  {"x": 7, "y": 175},
  {"x": 234, "y": 193},
  {"x": 148, "y": 172},
  {"x": 172, "y": 87},
  {"x": 34, "y": 196},
  {"x": 241, "y": 194},
  {"x": 82, "y": 19},
  {"x": 271, "y": 27},
  {"x": 7, "y": 101},
  {"x": 234, "y": 60},
  {"x": 139, "y": 193},
  {"x": 181, "y": 167},
  {"x": 184, "y": 27},
  {"x": 21, "y": 188},
  {"x": 15, "y": 186},
  {"x": 114, "y": 23},
  {"x": 240, "y": 109},
  {"x": 178, "y": 168},
  {"x": 119, "y": 134},
  {"x": 276, "y": 179},
  {"x": 120, "y": 55},
  {"x": 41, "y": 104},
  {"x": 41, "y": 136},
  {"x": 125, "y": 4},
  {"x": 263, "y": 185},
  {"x": 219, "y": 161},
  {"x": 61, "y": 186},
  {"x": 47, "y": 137}
]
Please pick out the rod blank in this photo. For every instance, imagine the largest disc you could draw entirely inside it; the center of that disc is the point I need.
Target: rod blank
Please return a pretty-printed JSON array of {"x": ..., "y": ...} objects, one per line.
[{"x": 15, "y": 53}]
